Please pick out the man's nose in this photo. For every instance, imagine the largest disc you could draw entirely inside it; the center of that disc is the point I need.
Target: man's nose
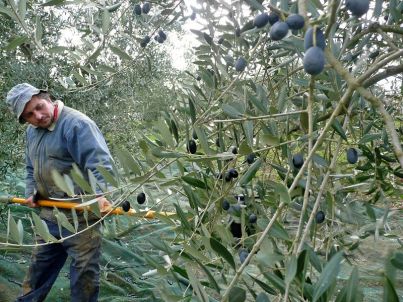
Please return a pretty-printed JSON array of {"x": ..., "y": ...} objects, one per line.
[{"x": 38, "y": 115}]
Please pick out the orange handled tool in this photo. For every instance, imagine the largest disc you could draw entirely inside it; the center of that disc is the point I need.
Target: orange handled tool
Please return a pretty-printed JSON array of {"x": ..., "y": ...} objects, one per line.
[{"x": 68, "y": 205}]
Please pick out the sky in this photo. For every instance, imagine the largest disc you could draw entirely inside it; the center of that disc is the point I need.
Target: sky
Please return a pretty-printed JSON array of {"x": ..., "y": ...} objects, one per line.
[{"x": 177, "y": 46}]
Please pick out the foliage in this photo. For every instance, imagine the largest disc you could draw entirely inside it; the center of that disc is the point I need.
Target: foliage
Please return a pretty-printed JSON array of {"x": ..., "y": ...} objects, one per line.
[{"x": 269, "y": 107}]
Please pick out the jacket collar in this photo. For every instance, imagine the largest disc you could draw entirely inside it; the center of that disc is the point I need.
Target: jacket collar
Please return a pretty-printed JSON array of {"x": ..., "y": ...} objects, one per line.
[{"x": 59, "y": 109}]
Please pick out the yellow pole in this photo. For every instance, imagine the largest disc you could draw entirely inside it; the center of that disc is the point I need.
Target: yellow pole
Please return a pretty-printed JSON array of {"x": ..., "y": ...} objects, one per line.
[{"x": 68, "y": 205}]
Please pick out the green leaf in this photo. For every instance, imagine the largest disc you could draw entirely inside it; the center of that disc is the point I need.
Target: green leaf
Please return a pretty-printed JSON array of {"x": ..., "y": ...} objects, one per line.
[
  {"x": 61, "y": 182},
  {"x": 369, "y": 138},
  {"x": 231, "y": 111},
  {"x": 194, "y": 182},
  {"x": 282, "y": 100},
  {"x": 389, "y": 291},
  {"x": 79, "y": 179},
  {"x": 222, "y": 251},
  {"x": 378, "y": 8},
  {"x": 395, "y": 10},
  {"x": 237, "y": 294},
  {"x": 302, "y": 265},
  {"x": 328, "y": 276},
  {"x": 251, "y": 172},
  {"x": 339, "y": 129},
  {"x": 174, "y": 130},
  {"x": 38, "y": 30},
  {"x": 121, "y": 53},
  {"x": 70, "y": 185},
  {"x": 93, "y": 181},
  {"x": 157, "y": 152},
  {"x": 203, "y": 139},
  {"x": 15, "y": 42},
  {"x": 258, "y": 102},
  {"x": 256, "y": 5},
  {"x": 291, "y": 269},
  {"x": 79, "y": 77},
  {"x": 264, "y": 286},
  {"x": 194, "y": 253},
  {"x": 95, "y": 209},
  {"x": 22, "y": 9},
  {"x": 20, "y": 231},
  {"x": 86, "y": 203},
  {"x": 277, "y": 230},
  {"x": 213, "y": 282},
  {"x": 192, "y": 111},
  {"x": 75, "y": 218},
  {"x": 276, "y": 281},
  {"x": 128, "y": 162},
  {"x": 182, "y": 217},
  {"x": 304, "y": 121},
  {"x": 320, "y": 160},
  {"x": 192, "y": 197},
  {"x": 248, "y": 128},
  {"x": 58, "y": 49},
  {"x": 106, "y": 68},
  {"x": 350, "y": 292},
  {"x": 41, "y": 228},
  {"x": 244, "y": 148},
  {"x": 54, "y": 3},
  {"x": 114, "y": 7},
  {"x": 106, "y": 174},
  {"x": 270, "y": 140},
  {"x": 208, "y": 38},
  {"x": 262, "y": 297},
  {"x": 7, "y": 12},
  {"x": 197, "y": 287},
  {"x": 62, "y": 220},
  {"x": 106, "y": 21},
  {"x": 397, "y": 260},
  {"x": 166, "y": 135},
  {"x": 281, "y": 190},
  {"x": 13, "y": 229}
]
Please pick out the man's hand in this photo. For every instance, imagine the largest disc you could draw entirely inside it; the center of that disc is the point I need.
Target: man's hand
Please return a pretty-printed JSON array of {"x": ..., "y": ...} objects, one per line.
[
  {"x": 104, "y": 204},
  {"x": 30, "y": 202}
]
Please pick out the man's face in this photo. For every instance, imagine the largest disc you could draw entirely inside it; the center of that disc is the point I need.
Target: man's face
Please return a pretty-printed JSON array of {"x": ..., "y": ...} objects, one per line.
[{"x": 38, "y": 112}]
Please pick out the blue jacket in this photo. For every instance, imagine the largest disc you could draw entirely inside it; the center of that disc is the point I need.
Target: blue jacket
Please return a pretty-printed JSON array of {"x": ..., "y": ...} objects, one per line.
[{"x": 75, "y": 138}]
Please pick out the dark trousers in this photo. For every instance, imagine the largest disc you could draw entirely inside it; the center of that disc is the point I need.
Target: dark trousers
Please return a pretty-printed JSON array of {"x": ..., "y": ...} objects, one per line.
[{"x": 48, "y": 260}]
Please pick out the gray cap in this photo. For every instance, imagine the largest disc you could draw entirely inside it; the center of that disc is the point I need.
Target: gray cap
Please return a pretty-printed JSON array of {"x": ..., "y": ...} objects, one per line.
[{"x": 19, "y": 96}]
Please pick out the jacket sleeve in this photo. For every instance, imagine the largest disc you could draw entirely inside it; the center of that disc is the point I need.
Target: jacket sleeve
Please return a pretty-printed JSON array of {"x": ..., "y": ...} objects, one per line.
[
  {"x": 30, "y": 184},
  {"x": 88, "y": 149}
]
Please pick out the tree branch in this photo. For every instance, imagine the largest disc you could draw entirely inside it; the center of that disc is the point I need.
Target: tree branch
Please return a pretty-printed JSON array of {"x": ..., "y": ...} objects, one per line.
[
  {"x": 322, "y": 189},
  {"x": 353, "y": 83},
  {"x": 389, "y": 71},
  {"x": 378, "y": 65},
  {"x": 261, "y": 117},
  {"x": 373, "y": 28}
]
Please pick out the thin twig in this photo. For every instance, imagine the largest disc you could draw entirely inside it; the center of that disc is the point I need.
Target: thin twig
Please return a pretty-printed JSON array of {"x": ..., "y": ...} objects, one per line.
[
  {"x": 332, "y": 18},
  {"x": 388, "y": 72},
  {"x": 374, "y": 67},
  {"x": 387, "y": 39},
  {"x": 372, "y": 28},
  {"x": 261, "y": 117}
]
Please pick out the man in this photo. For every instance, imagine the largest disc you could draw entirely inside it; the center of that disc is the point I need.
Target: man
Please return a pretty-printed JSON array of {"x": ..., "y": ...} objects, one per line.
[{"x": 59, "y": 137}]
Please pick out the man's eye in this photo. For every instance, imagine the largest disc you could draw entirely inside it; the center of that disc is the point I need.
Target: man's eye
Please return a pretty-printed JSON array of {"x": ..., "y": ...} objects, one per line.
[{"x": 39, "y": 106}]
